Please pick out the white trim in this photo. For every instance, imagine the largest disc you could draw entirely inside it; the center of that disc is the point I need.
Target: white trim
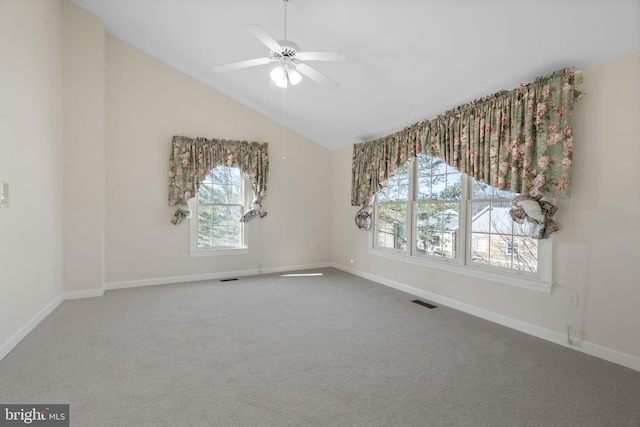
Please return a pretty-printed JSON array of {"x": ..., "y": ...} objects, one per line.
[
  {"x": 125, "y": 284},
  {"x": 596, "y": 350},
  {"x": 296, "y": 268},
  {"x": 15, "y": 339},
  {"x": 86, "y": 293},
  {"x": 475, "y": 271},
  {"x": 217, "y": 251},
  {"x": 206, "y": 276}
]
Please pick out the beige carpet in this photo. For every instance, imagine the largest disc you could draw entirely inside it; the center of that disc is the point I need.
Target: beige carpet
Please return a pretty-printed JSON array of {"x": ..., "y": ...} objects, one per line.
[{"x": 330, "y": 350}]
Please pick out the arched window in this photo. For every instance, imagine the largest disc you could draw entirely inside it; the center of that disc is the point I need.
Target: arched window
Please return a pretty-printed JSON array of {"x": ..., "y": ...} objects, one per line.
[{"x": 192, "y": 160}]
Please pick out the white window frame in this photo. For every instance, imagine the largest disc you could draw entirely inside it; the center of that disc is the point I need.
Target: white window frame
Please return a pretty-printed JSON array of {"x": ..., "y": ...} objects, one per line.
[
  {"x": 540, "y": 281},
  {"x": 195, "y": 251}
]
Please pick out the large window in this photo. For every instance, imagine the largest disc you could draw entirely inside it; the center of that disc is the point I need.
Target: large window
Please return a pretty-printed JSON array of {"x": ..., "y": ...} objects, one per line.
[
  {"x": 217, "y": 211},
  {"x": 432, "y": 213}
]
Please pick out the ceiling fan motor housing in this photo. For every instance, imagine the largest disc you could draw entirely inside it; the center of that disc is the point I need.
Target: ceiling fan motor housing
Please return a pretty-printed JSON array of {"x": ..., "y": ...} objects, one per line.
[{"x": 289, "y": 50}]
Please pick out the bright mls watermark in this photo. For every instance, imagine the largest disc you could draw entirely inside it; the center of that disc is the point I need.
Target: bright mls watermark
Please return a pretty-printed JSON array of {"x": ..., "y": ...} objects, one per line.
[{"x": 34, "y": 415}]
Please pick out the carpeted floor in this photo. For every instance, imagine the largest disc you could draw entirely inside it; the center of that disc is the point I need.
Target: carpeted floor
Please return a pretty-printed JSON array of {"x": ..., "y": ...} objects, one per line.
[{"x": 329, "y": 350}]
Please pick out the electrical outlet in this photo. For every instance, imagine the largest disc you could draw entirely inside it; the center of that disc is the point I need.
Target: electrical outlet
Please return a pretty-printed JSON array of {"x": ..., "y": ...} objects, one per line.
[{"x": 572, "y": 298}]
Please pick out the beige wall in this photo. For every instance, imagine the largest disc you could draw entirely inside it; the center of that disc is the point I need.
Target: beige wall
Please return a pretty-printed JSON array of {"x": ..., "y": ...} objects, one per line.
[
  {"x": 148, "y": 103},
  {"x": 603, "y": 230},
  {"x": 84, "y": 148},
  {"x": 596, "y": 250},
  {"x": 31, "y": 266}
]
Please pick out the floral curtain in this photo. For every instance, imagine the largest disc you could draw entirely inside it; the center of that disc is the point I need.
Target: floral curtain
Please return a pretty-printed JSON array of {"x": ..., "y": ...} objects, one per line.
[
  {"x": 191, "y": 160},
  {"x": 519, "y": 140}
]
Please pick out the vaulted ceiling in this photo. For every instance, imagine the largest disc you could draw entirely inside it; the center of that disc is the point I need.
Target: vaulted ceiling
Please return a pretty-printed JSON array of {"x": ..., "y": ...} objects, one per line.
[{"x": 407, "y": 60}]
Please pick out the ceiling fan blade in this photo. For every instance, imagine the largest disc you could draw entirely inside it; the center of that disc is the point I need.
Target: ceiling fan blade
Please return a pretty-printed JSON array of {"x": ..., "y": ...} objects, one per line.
[
  {"x": 262, "y": 35},
  {"x": 241, "y": 64},
  {"x": 321, "y": 56},
  {"x": 317, "y": 76}
]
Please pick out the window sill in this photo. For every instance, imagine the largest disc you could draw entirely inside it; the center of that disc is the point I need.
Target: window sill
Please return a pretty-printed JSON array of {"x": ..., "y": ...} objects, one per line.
[
  {"x": 474, "y": 271},
  {"x": 218, "y": 252}
]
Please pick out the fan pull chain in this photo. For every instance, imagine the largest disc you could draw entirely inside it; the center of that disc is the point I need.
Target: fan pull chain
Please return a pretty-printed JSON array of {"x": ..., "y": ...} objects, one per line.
[{"x": 284, "y": 118}]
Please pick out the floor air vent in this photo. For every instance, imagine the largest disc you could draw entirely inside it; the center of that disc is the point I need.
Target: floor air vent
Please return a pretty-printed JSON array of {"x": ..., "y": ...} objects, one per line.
[
  {"x": 424, "y": 304},
  {"x": 229, "y": 280}
]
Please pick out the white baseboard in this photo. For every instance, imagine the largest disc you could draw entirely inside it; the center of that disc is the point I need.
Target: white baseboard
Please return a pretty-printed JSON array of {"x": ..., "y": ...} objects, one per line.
[
  {"x": 15, "y": 339},
  {"x": 596, "y": 350},
  {"x": 87, "y": 293},
  {"x": 123, "y": 284}
]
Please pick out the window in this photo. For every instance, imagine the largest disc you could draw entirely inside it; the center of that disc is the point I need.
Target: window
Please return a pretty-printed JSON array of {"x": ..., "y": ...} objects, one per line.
[
  {"x": 391, "y": 224},
  {"x": 217, "y": 210},
  {"x": 508, "y": 245},
  {"x": 437, "y": 208},
  {"x": 431, "y": 213}
]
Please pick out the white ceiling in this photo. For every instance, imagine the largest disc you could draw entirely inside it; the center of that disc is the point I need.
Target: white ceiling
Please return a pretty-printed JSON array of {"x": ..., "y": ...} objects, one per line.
[{"x": 407, "y": 60}]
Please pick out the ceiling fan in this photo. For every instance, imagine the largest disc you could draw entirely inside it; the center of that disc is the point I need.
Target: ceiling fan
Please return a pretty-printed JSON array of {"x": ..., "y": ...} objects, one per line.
[{"x": 290, "y": 59}]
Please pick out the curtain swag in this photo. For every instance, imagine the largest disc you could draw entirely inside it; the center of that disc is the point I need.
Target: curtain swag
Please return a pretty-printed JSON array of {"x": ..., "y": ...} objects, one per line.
[
  {"x": 519, "y": 140},
  {"x": 192, "y": 159}
]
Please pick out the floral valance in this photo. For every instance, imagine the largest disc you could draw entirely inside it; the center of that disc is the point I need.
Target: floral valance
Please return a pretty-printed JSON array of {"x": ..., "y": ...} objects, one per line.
[
  {"x": 519, "y": 140},
  {"x": 192, "y": 159}
]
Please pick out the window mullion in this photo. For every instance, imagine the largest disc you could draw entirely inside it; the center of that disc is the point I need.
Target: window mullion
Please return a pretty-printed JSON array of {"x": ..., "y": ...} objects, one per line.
[
  {"x": 464, "y": 248},
  {"x": 411, "y": 205}
]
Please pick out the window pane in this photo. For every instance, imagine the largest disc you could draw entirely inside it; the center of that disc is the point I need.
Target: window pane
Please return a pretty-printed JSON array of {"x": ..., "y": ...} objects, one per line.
[
  {"x": 219, "y": 193},
  {"x": 438, "y": 186},
  {"x": 480, "y": 248},
  {"x": 219, "y": 174},
  {"x": 205, "y": 226},
  {"x": 391, "y": 226},
  {"x": 233, "y": 235},
  {"x": 501, "y": 221},
  {"x": 422, "y": 228},
  {"x": 520, "y": 229},
  {"x": 437, "y": 229},
  {"x": 233, "y": 194},
  {"x": 509, "y": 246},
  {"x": 219, "y": 235},
  {"x": 485, "y": 191},
  {"x": 525, "y": 254},
  {"x": 502, "y": 194},
  {"x": 398, "y": 186},
  {"x": 481, "y": 219},
  {"x": 235, "y": 213},
  {"x": 205, "y": 193},
  {"x": 226, "y": 215},
  {"x": 437, "y": 180},
  {"x": 451, "y": 216},
  {"x": 501, "y": 251},
  {"x": 482, "y": 190},
  {"x": 454, "y": 186}
]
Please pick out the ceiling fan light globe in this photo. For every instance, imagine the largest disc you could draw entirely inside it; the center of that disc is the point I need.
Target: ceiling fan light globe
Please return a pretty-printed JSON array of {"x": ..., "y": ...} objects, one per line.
[
  {"x": 294, "y": 77},
  {"x": 278, "y": 74},
  {"x": 283, "y": 83}
]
